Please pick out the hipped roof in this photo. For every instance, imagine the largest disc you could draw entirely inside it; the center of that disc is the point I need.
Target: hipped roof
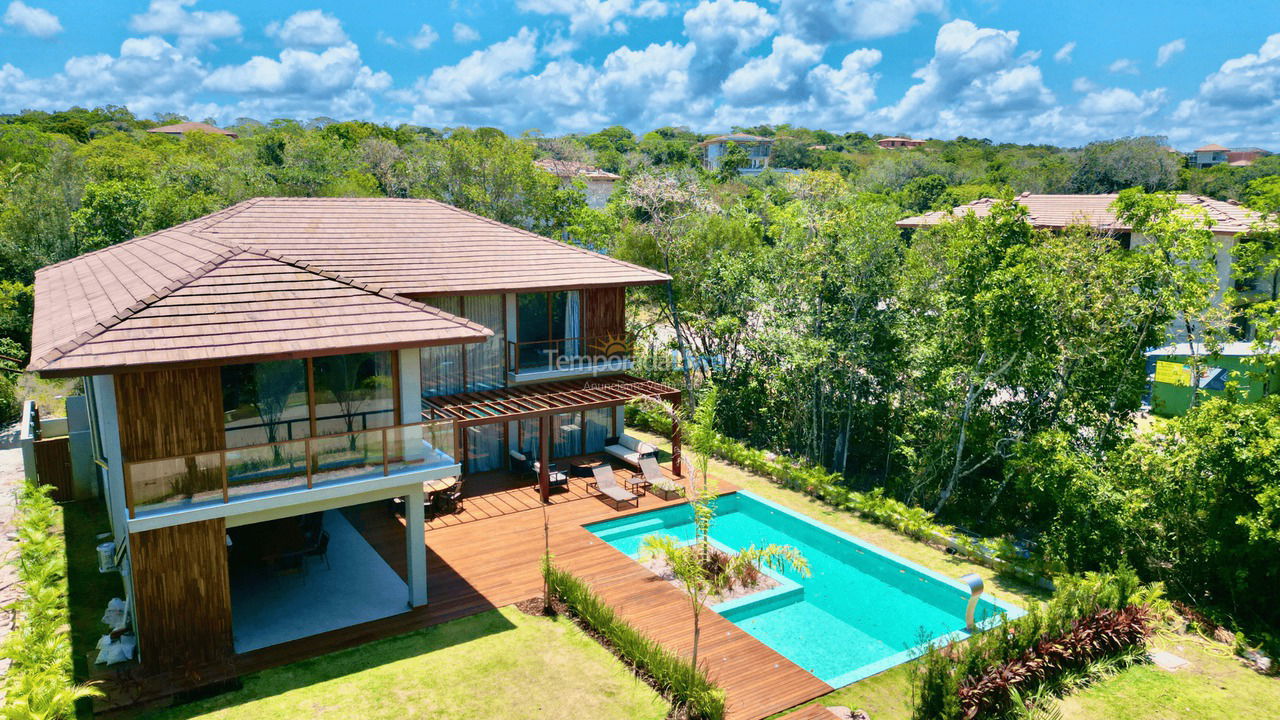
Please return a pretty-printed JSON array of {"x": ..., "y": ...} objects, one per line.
[{"x": 1060, "y": 211}]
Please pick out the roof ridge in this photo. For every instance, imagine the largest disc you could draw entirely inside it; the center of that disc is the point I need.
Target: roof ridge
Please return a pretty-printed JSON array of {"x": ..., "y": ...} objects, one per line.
[
  {"x": 225, "y": 214},
  {"x": 60, "y": 351},
  {"x": 365, "y": 287}
]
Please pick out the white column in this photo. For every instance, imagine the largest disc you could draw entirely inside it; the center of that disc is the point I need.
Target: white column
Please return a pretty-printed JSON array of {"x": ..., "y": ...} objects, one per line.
[
  {"x": 410, "y": 385},
  {"x": 104, "y": 397},
  {"x": 415, "y": 547}
]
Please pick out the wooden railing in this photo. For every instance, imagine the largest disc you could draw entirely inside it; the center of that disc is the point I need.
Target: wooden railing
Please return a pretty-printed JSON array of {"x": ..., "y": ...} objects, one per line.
[
  {"x": 566, "y": 353},
  {"x": 223, "y": 476}
]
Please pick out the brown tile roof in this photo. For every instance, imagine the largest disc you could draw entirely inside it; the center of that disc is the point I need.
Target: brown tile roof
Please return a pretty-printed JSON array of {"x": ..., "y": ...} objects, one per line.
[
  {"x": 570, "y": 169},
  {"x": 186, "y": 127},
  {"x": 1058, "y": 211},
  {"x": 737, "y": 138},
  {"x": 1211, "y": 147},
  {"x": 294, "y": 276}
]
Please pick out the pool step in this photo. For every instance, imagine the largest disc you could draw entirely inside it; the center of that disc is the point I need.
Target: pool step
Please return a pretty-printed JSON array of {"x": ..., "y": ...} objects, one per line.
[
  {"x": 639, "y": 527},
  {"x": 759, "y": 603}
]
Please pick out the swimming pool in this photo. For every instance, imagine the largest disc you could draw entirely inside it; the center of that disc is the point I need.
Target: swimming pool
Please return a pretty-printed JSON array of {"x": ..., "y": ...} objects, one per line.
[{"x": 862, "y": 609}]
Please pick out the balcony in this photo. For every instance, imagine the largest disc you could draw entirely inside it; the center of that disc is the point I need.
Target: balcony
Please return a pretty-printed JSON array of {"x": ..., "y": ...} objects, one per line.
[
  {"x": 223, "y": 477},
  {"x": 567, "y": 357}
]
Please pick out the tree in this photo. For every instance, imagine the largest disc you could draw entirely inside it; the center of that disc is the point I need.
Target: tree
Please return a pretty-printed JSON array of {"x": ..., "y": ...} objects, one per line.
[
  {"x": 699, "y": 576},
  {"x": 735, "y": 158},
  {"x": 1113, "y": 165},
  {"x": 923, "y": 193}
]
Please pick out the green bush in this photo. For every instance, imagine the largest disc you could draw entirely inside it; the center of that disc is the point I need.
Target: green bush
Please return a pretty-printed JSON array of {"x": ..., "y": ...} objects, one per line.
[
  {"x": 914, "y": 522},
  {"x": 39, "y": 683},
  {"x": 674, "y": 676},
  {"x": 1092, "y": 621}
]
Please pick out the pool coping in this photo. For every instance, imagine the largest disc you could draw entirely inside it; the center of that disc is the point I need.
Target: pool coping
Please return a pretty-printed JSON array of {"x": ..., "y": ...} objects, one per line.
[{"x": 786, "y": 585}]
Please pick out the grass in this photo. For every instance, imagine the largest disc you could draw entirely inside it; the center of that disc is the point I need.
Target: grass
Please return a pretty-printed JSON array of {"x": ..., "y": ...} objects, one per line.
[
  {"x": 501, "y": 663},
  {"x": 87, "y": 589},
  {"x": 1215, "y": 685}
]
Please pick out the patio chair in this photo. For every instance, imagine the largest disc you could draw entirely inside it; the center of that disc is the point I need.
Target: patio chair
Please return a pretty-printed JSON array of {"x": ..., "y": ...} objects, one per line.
[
  {"x": 557, "y": 480},
  {"x": 628, "y": 449},
  {"x": 606, "y": 483},
  {"x": 320, "y": 549}
]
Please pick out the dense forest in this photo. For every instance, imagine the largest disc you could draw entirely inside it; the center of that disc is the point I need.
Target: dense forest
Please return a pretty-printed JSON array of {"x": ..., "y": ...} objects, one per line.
[{"x": 986, "y": 371}]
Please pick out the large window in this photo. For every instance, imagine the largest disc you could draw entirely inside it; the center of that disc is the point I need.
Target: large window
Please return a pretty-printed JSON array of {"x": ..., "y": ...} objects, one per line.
[
  {"x": 547, "y": 327},
  {"x": 273, "y": 401},
  {"x": 450, "y": 369}
]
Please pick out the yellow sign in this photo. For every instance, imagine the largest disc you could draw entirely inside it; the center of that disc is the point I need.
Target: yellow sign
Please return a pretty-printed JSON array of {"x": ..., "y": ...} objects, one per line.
[{"x": 1173, "y": 373}]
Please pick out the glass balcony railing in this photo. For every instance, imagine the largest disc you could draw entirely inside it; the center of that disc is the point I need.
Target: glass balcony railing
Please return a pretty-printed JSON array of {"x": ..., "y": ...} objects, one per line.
[{"x": 225, "y": 476}]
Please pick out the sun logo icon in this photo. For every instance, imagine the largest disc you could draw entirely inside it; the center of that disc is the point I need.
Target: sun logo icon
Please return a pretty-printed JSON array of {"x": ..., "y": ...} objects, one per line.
[{"x": 611, "y": 345}]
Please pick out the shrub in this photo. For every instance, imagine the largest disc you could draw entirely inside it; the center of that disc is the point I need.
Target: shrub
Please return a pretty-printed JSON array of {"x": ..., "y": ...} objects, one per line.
[
  {"x": 1089, "y": 620},
  {"x": 674, "y": 676},
  {"x": 39, "y": 683}
]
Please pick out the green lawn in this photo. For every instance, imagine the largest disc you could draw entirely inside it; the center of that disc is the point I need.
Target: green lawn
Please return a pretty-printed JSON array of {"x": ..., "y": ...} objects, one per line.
[
  {"x": 1215, "y": 685},
  {"x": 499, "y": 664}
]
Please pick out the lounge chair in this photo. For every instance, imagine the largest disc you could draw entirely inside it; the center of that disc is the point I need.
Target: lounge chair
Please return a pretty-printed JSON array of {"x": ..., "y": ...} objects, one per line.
[
  {"x": 606, "y": 483},
  {"x": 628, "y": 449}
]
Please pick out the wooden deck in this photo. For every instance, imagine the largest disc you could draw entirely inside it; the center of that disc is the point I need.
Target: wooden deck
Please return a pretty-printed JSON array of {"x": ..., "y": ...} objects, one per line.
[{"x": 488, "y": 557}]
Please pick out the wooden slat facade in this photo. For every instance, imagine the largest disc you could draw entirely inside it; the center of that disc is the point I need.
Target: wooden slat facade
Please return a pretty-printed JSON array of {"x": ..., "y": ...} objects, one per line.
[
  {"x": 604, "y": 313},
  {"x": 182, "y": 596},
  {"x": 165, "y": 413}
]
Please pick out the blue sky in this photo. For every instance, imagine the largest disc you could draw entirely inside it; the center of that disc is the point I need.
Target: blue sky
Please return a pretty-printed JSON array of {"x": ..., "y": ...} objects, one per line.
[{"x": 1025, "y": 71}]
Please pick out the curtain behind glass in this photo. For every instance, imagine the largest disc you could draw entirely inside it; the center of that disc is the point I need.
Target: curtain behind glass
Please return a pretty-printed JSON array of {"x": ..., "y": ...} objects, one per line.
[
  {"x": 484, "y": 447},
  {"x": 599, "y": 424},
  {"x": 572, "y": 322},
  {"x": 529, "y": 438},
  {"x": 442, "y": 365},
  {"x": 484, "y": 360},
  {"x": 567, "y": 434}
]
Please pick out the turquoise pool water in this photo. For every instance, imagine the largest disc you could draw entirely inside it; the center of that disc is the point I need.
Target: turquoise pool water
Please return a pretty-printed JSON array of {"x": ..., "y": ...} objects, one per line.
[{"x": 862, "y": 609}]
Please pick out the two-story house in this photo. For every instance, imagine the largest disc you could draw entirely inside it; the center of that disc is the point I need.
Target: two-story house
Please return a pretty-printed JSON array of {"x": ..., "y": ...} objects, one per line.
[
  {"x": 1056, "y": 212},
  {"x": 758, "y": 149},
  {"x": 891, "y": 143},
  {"x": 598, "y": 183},
  {"x": 1208, "y": 156},
  {"x": 255, "y": 374}
]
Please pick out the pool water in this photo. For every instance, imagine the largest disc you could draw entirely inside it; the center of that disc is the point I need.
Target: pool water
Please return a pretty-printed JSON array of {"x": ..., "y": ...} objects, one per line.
[{"x": 860, "y": 611}]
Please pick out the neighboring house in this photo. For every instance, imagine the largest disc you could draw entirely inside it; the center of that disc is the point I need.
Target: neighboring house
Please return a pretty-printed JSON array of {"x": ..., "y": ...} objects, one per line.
[
  {"x": 898, "y": 142},
  {"x": 1208, "y": 156},
  {"x": 1060, "y": 211},
  {"x": 599, "y": 183},
  {"x": 1170, "y": 369},
  {"x": 1244, "y": 157},
  {"x": 185, "y": 127},
  {"x": 259, "y": 377},
  {"x": 758, "y": 149}
]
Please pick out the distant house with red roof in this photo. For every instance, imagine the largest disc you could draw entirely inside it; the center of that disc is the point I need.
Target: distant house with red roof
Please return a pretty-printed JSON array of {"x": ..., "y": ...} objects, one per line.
[
  {"x": 183, "y": 128},
  {"x": 890, "y": 143}
]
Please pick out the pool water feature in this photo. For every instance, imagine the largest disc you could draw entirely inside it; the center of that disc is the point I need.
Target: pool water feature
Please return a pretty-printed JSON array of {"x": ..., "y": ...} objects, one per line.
[{"x": 860, "y": 611}]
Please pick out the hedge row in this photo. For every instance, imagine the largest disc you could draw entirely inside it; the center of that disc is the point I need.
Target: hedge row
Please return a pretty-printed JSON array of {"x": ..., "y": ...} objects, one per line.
[
  {"x": 677, "y": 678},
  {"x": 915, "y": 522},
  {"x": 39, "y": 682}
]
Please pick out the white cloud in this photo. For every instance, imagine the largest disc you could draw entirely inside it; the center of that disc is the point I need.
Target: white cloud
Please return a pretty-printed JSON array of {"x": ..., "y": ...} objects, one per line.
[
  {"x": 974, "y": 73},
  {"x": 723, "y": 32},
  {"x": 777, "y": 76},
  {"x": 481, "y": 77},
  {"x": 1119, "y": 101},
  {"x": 1240, "y": 101},
  {"x": 1063, "y": 55},
  {"x": 424, "y": 38},
  {"x": 1083, "y": 85},
  {"x": 32, "y": 20},
  {"x": 595, "y": 17},
  {"x": 170, "y": 17},
  {"x": 1168, "y": 50},
  {"x": 1124, "y": 66},
  {"x": 826, "y": 21},
  {"x": 464, "y": 34},
  {"x": 308, "y": 29}
]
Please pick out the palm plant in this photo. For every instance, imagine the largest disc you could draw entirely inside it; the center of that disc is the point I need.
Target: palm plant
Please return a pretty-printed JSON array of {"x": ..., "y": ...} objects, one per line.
[{"x": 691, "y": 563}]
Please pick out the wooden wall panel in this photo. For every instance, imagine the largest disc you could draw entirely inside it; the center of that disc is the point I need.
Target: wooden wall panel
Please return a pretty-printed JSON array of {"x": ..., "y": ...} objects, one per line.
[
  {"x": 163, "y": 413},
  {"x": 182, "y": 595},
  {"x": 604, "y": 312}
]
